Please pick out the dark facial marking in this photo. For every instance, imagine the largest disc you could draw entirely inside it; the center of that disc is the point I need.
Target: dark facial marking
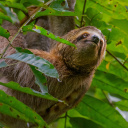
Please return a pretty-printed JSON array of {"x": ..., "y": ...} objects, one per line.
[
  {"x": 83, "y": 36},
  {"x": 101, "y": 45}
]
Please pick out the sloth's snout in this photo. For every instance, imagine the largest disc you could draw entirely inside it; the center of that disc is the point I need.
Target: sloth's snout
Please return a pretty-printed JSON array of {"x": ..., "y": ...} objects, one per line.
[{"x": 95, "y": 39}]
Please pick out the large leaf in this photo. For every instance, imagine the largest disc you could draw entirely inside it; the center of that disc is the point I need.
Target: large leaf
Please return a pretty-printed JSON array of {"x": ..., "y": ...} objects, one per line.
[
  {"x": 46, "y": 33},
  {"x": 101, "y": 113},
  {"x": 10, "y": 106},
  {"x": 16, "y": 86},
  {"x": 43, "y": 65}
]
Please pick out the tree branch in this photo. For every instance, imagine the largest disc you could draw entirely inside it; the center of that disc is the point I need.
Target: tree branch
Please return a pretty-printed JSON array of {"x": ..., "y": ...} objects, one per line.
[
  {"x": 83, "y": 13},
  {"x": 117, "y": 60}
]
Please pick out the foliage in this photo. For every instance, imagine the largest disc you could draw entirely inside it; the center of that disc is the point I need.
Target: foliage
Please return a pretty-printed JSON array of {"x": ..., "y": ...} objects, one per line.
[{"x": 96, "y": 109}]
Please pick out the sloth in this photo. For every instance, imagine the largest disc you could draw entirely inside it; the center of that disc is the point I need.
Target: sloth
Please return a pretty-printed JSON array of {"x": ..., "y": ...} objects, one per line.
[{"x": 76, "y": 67}]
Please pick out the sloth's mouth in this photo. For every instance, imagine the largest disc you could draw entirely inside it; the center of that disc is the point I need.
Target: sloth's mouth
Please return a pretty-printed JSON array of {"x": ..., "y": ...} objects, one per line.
[{"x": 91, "y": 41}]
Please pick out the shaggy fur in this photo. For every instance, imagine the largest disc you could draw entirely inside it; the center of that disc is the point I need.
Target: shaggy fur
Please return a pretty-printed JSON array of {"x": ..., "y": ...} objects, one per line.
[{"x": 75, "y": 66}]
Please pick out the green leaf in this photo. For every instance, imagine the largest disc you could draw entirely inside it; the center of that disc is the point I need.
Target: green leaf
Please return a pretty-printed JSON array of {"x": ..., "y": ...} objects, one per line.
[
  {"x": 50, "y": 35},
  {"x": 4, "y": 32},
  {"x": 14, "y": 5},
  {"x": 101, "y": 113},
  {"x": 16, "y": 86},
  {"x": 7, "y": 11},
  {"x": 21, "y": 50},
  {"x": 43, "y": 65},
  {"x": 109, "y": 9},
  {"x": 121, "y": 24},
  {"x": 10, "y": 106},
  {"x": 54, "y": 12},
  {"x": 46, "y": 33},
  {"x": 40, "y": 80},
  {"x": 4, "y": 17},
  {"x": 78, "y": 122}
]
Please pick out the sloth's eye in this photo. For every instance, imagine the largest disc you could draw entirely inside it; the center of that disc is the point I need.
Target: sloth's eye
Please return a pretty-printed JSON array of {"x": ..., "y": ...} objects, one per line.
[{"x": 82, "y": 36}]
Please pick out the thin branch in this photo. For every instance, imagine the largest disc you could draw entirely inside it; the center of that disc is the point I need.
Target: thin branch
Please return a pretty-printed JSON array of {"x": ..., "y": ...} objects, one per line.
[
  {"x": 83, "y": 13},
  {"x": 125, "y": 61},
  {"x": 14, "y": 37},
  {"x": 117, "y": 60},
  {"x": 108, "y": 99},
  {"x": 65, "y": 120}
]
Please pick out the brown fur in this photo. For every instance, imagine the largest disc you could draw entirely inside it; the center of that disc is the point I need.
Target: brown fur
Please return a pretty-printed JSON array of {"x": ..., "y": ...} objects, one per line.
[{"x": 76, "y": 68}]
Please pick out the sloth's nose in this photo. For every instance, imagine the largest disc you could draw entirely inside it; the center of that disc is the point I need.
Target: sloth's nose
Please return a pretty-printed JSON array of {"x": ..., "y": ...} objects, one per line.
[{"x": 95, "y": 39}]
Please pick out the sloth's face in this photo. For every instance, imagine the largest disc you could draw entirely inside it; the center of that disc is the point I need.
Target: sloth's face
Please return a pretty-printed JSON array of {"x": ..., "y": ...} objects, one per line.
[{"x": 90, "y": 44}]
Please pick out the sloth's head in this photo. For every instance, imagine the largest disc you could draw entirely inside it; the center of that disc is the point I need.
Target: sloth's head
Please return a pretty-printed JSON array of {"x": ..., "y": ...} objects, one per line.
[{"x": 91, "y": 46}]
